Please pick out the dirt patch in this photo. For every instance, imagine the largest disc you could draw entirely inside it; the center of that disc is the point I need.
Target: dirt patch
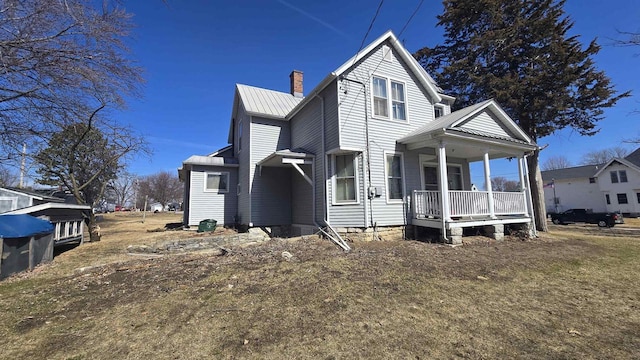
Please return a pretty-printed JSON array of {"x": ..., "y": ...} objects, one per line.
[{"x": 307, "y": 299}]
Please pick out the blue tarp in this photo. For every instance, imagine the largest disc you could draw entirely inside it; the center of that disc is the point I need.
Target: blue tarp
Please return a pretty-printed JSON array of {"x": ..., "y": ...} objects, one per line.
[{"x": 18, "y": 226}]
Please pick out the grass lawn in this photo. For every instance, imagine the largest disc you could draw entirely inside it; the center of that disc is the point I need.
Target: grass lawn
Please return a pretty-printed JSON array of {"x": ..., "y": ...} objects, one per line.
[{"x": 570, "y": 294}]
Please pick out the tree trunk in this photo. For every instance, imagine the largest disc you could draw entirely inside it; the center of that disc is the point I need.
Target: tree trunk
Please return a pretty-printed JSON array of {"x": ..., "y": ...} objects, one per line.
[
  {"x": 537, "y": 191},
  {"x": 94, "y": 228}
]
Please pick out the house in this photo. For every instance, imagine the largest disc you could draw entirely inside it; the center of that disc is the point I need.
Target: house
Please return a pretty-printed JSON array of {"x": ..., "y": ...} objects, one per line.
[
  {"x": 373, "y": 146},
  {"x": 67, "y": 218},
  {"x": 610, "y": 187}
]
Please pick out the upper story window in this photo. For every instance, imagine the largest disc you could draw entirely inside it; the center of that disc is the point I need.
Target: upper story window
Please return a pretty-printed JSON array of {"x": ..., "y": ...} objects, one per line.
[
  {"x": 345, "y": 178},
  {"x": 622, "y": 174},
  {"x": 216, "y": 182},
  {"x": 618, "y": 176},
  {"x": 382, "y": 87},
  {"x": 592, "y": 180},
  {"x": 438, "y": 111}
]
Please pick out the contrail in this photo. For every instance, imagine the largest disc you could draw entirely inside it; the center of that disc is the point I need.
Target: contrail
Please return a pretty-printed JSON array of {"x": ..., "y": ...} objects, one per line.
[{"x": 319, "y": 21}]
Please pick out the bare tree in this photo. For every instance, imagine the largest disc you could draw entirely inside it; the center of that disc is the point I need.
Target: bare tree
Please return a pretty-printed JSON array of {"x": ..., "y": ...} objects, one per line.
[
  {"x": 604, "y": 155},
  {"x": 59, "y": 61},
  {"x": 630, "y": 39},
  {"x": 556, "y": 162},
  {"x": 500, "y": 183},
  {"x": 163, "y": 187},
  {"x": 123, "y": 188},
  {"x": 8, "y": 177}
]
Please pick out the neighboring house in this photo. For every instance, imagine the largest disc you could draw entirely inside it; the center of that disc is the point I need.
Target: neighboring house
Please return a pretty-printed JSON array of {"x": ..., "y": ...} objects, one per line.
[
  {"x": 156, "y": 206},
  {"x": 610, "y": 187},
  {"x": 373, "y": 145},
  {"x": 67, "y": 218}
]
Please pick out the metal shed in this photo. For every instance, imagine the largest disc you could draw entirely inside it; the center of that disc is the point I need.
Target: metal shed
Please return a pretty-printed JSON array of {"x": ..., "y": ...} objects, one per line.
[{"x": 25, "y": 241}]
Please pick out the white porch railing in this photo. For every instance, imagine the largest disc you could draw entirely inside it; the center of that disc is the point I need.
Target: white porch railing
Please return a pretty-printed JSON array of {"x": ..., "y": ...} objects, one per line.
[{"x": 468, "y": 203}]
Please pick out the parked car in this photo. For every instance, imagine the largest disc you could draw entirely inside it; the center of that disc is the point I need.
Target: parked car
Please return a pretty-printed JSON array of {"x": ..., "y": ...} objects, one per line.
[{"x": 585, "y": 216}]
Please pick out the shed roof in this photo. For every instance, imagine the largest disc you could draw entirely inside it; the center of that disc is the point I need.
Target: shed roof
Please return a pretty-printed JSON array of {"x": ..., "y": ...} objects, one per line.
[{"x": 19, "y": 226}]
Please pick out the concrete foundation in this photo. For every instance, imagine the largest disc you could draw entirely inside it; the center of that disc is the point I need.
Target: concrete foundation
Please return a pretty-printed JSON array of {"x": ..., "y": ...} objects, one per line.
[
  {"x": 454, "y": 236},
  {"x": 494, "y": 231}
]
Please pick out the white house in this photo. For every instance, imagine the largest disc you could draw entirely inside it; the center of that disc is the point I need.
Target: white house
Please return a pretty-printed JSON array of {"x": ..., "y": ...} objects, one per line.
[
  {"x": 373, "y": 145},
  {"x": 611, "y": 187}
]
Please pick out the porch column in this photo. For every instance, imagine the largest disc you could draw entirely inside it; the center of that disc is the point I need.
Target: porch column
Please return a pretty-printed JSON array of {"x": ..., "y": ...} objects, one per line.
[
  {"x": 487, "y": 180},
  {"x": 523, "y": 184},
  {"x": 444, "y": 181}
]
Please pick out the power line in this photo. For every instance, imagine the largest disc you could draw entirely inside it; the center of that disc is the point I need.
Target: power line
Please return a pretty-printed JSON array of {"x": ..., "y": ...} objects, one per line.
[
  {"x": 411, "y": 18},
  {"x": 375, "y": 16}
]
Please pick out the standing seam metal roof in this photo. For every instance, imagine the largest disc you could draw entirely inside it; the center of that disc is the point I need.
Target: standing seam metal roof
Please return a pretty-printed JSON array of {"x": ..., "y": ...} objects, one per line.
[{"x": 270, "y": 103}]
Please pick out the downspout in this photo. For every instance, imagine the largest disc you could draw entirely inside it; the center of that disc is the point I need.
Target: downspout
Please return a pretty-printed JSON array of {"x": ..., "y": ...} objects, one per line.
[{"x": 368, "y": 205}]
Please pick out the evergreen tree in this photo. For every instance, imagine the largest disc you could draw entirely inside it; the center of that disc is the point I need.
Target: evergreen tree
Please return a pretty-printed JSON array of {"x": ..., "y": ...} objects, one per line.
[
  {"x": 520, "y": 53},
  {"x": 84, "y": 159}
]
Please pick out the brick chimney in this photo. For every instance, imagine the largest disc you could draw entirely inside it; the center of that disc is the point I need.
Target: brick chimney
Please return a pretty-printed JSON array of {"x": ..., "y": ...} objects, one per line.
[{"x": 296, "y": 83}]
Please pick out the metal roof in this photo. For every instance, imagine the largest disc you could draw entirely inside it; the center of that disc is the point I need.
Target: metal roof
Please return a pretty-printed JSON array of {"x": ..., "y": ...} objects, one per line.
[
  {"x": 575, "y": 172},
  {"x": 210, "y": 161},
  {"x": 268, "y": 103},
  {"x": 456, "y": 120}
]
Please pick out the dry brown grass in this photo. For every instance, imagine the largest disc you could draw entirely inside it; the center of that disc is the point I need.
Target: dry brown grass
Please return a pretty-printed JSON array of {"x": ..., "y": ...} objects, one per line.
[{"x": 568, "y": 295}]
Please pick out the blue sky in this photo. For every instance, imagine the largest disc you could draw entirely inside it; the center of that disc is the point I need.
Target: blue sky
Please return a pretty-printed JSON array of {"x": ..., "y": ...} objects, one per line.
[{"x": 195, "y": 51}]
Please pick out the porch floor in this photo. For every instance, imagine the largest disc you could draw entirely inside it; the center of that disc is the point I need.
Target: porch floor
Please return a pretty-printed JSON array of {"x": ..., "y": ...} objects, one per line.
[{"x": 468, "y": 221}]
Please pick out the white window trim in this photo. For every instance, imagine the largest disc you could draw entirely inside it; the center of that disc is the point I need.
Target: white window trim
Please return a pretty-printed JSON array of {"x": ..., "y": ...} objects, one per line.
[
  {"x": 389, "y": 99},
  {"x": 334, "y": 182},
  {"x": 386, "y": 177},
  {"x": 438, "y": 106},
  {"x": 219, "y": 191}
]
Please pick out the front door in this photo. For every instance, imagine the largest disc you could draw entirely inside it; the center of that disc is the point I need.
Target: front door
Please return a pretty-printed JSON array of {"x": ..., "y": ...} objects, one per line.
[{"x": 430, "y": 177}]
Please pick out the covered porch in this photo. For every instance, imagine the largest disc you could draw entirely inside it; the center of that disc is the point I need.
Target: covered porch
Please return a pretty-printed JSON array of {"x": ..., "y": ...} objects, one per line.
[{"x": 479, "y": 133}]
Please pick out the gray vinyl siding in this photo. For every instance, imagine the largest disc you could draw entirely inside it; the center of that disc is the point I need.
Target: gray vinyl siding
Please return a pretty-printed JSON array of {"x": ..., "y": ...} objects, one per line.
[
  {"x": 382, "y": 134},
  {"x": 219, "y": 206},
  {"x": 487, "y": 123},
  {"x": 332, "y": 133},
  {"x": 306, "y": 135},
  {"x": 271, "y": 188},
  {"x": 244, "y": 161},
  {"x": 301, "y": 197}
]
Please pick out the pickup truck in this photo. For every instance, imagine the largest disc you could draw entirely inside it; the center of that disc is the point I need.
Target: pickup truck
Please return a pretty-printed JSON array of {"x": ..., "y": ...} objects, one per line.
[{"x": 584, "y": 216}]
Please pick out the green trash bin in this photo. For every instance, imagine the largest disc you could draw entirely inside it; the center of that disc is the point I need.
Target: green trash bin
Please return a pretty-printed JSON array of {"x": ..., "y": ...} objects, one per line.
[{"x": 207, "y": 225}]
